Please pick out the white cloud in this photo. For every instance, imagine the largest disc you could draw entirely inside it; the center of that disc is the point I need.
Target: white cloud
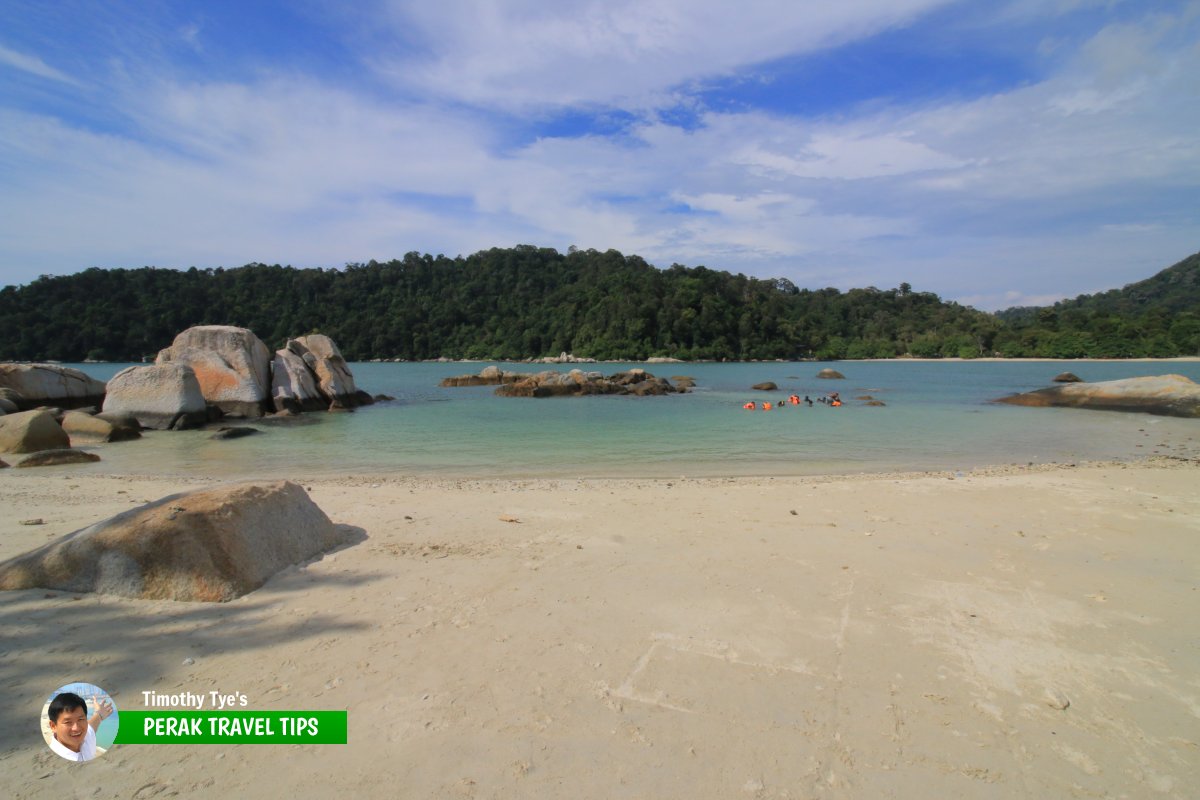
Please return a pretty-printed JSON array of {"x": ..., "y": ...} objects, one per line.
[
  {"x": 34, "y": 66},
  {"x": 847, "y": 155},
  {"x": 615, "y": 51}
]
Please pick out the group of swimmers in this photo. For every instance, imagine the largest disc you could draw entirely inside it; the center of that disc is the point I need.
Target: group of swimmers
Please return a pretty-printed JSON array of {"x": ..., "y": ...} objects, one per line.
[{"x": 831, "y": 400}]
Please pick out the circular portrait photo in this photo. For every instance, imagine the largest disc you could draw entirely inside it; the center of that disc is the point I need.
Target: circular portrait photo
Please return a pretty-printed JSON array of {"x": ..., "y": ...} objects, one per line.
[{"x": 79, "y": 721}]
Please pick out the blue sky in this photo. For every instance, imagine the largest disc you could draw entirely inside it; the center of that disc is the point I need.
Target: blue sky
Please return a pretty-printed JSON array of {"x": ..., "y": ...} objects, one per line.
[{"x": 997, "y": 153}]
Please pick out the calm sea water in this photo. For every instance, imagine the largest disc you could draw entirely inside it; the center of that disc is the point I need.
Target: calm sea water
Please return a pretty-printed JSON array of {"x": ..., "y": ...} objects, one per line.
[{"x": 938, "y": 416}]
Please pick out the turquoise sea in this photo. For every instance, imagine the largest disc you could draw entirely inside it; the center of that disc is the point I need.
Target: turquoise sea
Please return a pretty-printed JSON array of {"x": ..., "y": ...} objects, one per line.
[{"x": 938, "y": 416}]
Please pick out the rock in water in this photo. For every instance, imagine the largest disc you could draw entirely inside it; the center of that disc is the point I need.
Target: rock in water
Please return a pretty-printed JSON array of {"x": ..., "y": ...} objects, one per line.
[
  {"x": 293, "y": 385},
  {"x": 1067, "y": 377},
  {"x": 210, "y": 545},
  {"x": 831, "y": 374},
  {"x": 325, "y": 360},
  {"x": 32, "y": 385},
  {"x": 88, "y": 428},
  {"x": 578, "y": 383},
  {"x": 765, "y": 386},
  {"x": 56, "y": 458},
  {"x": 1170, "y": 395},
  {"x": 30, "y": 431},
  {"x": 232, "y": 432},
  {"x": 163, "y": 397},
  {"x": 232, "y": 366},
  {"x": 488, "y": 376}
]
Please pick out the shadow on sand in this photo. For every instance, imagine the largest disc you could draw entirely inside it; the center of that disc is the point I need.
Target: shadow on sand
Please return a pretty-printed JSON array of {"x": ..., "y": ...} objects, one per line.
[{"x": 125, "y": 646}]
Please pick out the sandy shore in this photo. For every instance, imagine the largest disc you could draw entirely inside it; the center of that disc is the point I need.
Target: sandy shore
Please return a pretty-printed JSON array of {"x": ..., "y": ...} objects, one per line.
[{"x": 887, "y": 636}]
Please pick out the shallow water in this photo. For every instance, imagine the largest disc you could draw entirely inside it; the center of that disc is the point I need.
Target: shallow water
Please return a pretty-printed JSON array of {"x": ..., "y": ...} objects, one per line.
[{"x": 938, "y": 416}]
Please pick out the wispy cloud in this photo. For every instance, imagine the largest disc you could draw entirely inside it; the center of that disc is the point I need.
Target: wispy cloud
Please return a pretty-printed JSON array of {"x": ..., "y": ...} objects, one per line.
[
  {"x": 34, "y": 66},
  {"x": 614, "y": 51}
]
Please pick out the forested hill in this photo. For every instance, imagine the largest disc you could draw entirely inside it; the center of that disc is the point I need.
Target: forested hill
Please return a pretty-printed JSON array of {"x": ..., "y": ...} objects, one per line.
[
  {"x": 1157, "y": 317},
  {"x": 527, "y": 302},
  {"x": 498, "y": 304}
]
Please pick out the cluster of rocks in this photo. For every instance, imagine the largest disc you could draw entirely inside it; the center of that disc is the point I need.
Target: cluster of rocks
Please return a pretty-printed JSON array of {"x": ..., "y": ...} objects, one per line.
[
  {"x": 571, "y": 384},
  {"x": 563, "y": 358},
  {"x": 41, "y": 415},
  {"x": 488, "y": 376},
  {"x": 208, "y": 372},
  {"x": 825, "y": 374},
  {"x": 228, "y": 370},
  {"x": 1169, "y": 395},
  {"x": 211, "y": 545}
]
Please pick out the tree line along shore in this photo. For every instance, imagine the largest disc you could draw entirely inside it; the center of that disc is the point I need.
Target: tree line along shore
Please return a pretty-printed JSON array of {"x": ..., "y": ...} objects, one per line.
[{"x": 528, "y": 302}]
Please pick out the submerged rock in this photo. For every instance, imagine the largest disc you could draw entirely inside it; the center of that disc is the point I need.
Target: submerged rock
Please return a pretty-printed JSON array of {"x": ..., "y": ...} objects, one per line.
[
  {"x": 56, "y": 458},
  {"x": 765, "y": 386},
  {"x": 831, "y": 374},
  {"x": 210, "y": 545},
  {"x": 1169, "y": 395},
  {"x": 234, "y": 432}
]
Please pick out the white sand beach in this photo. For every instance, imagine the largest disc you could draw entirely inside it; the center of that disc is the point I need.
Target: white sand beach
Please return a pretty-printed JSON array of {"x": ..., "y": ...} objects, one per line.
[{"x": 884, "y": 636}]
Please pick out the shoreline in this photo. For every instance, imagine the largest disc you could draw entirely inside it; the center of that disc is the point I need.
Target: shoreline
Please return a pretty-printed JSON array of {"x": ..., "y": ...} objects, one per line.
[
  {"x": 532, "y": 362},
  {"x": 1159, "y": 460}
]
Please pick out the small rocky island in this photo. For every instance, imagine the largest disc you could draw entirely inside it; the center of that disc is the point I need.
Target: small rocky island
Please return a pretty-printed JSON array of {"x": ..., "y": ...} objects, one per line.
[
  {"x": 209, "y": 373},
  {"x": 1168, "y": 395},
  {"x": 575, "y": 383}
]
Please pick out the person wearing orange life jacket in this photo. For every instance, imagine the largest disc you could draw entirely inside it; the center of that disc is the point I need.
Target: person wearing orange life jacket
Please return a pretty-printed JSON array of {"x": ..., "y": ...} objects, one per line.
[
  {"x": 766, "y": 406},
  {"x": 749, "y": 406}
]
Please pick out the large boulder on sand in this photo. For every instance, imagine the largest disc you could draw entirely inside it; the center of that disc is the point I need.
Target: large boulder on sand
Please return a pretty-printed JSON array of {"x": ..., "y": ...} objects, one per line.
[
  {"x": 325, "y": 360},
  {"x": 162, "y": 396},
  {"x": 33, "y": 385},
  {"x": 232, "y": 365},
  {"x": 1170, "y": 395},
  {"x": 30, "y": 431},
  {"x": 293, "y": 385},
  {"x": 209, "y": 545}
]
